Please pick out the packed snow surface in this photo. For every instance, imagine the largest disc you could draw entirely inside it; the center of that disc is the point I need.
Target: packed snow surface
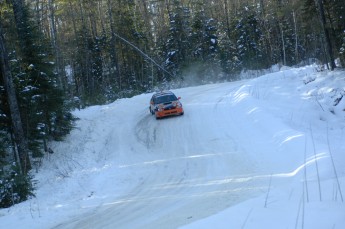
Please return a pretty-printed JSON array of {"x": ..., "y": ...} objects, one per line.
[{"x": 260, "y": 153}]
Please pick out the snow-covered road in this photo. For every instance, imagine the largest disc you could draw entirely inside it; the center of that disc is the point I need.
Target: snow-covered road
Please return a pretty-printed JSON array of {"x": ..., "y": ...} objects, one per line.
[
  {"x": 267, "y": 151},
  {"x": 189, "y": 167},
  {"x": 186, "y": 167}
]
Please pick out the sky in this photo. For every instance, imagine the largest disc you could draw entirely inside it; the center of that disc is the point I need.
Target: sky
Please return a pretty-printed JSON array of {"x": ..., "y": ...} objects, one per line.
[{"x": 263, "y": 152}]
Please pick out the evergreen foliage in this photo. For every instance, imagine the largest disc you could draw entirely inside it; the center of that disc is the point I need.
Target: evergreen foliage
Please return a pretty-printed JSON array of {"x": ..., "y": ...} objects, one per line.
[
  {"x": 248, "y": 35},
  {"x": 42, "y": 103},
  {"x": 43, "y": 110},
  {"x": 14, "y": 186}
]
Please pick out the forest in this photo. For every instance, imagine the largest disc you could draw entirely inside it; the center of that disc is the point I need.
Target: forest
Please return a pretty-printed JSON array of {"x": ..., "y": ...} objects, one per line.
[{"x": 60, "y": 55}]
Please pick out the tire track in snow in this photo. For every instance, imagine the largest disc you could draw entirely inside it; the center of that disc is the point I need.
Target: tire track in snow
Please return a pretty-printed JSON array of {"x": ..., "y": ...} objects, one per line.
[
  {"x": 185, "y": 168},
  {"x": 145, "y": 133}
]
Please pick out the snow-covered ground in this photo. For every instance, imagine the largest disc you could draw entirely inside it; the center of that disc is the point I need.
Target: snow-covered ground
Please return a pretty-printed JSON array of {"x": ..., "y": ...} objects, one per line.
[{"x": 261, "y": 153}]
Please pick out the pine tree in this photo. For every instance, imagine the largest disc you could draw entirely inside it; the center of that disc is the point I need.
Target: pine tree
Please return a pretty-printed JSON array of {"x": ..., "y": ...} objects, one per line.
[
  {"x": 41, "y": 113},
  {"x": 14, "y": 186},
  {"x": 15, "y": 181},
  {"x": 248, "y": 36},
  {"x": 44, "y": 113},
  {"x": 177, "y": 49}
]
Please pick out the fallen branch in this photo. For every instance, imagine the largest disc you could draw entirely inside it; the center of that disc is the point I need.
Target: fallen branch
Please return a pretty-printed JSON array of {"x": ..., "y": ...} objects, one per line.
[
  {"x": 142, "y": 53},
  {"x": 334, "y": 169},
  {"x": 316, "y": 164},
  {"x": 268, "y": 191}
]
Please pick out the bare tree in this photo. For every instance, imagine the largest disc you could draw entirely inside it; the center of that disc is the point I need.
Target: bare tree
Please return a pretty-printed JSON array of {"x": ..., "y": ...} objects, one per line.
[
  {"x": 56, "y": 46},
  {"x": 326, "y": 34},
  {"x": 113, "y": 51}
]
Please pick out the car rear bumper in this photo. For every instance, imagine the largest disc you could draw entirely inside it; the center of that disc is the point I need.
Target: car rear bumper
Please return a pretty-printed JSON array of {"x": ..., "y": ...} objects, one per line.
[{"x": 165, "y": 113}]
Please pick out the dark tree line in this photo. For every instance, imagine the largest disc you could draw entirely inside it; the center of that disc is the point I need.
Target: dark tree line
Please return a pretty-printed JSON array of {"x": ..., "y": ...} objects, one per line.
[
  {"x": 33, "y": 109},
  {"x": 60, "y": 54},
  {"x": 195, "y": 41}
]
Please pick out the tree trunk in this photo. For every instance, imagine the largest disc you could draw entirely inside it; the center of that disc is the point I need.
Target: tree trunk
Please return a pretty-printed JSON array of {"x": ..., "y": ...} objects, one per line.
[
  {"x": 283, "y": 43},
  {"x": 296, "y": 36},
  {"x": 59, "y": 66},
  {"x": 113, "y": 51},
  {"x": 22, "y": 26},
  {"x": 20, "y": 139},
  {"x": 327, "y": 35},
  {"x": 226, "y": 14}
]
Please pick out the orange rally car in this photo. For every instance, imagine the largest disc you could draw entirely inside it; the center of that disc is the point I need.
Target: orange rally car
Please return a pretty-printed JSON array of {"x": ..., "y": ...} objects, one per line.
[{"x": 165, "y": 103}]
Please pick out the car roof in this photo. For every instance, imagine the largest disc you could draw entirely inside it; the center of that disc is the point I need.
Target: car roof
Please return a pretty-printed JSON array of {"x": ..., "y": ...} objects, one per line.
[{"x": 162, "y": 93}]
